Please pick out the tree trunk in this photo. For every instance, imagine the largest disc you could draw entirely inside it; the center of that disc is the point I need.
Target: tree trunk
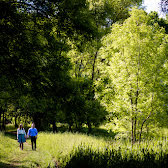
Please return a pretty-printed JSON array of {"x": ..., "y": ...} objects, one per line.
[
  {"x": 0, "y": 119},
  {"x": 16, "y": 125},
  {"x": 36, "y": 121},
  {"x": 146, "y": 119},
  {"x": 70, "y": 128},
  {"x": 92, "y": 91},
  {"x": 89, "y": 127},
  {"x": 136, "y": 104},
  {"x": 54, "y": 127},
  {"x": 3, "y": 120},
  {"x": 76, "y": 125},
  {"x": 140, "y": 135},
  {"x": 79, "y": 127},
  {"x": 16, "y": 115},
  {"x": 135, "y": 123},
  {"x": 93, "y": 68},
  {"x": 132, "y": 122},
  {"x": 132, "y": 134}
]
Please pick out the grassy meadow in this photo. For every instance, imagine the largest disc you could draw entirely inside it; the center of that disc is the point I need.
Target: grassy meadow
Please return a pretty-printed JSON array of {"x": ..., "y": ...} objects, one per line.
[{"x": 72, "y": 150}]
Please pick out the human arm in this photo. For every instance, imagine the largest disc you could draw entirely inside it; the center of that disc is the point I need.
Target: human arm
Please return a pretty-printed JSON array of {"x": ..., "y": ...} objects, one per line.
[
  {"x": 36, "y": 133},
  {"x": 28, "y": 133},
  {"x": 25, "y": 134}
]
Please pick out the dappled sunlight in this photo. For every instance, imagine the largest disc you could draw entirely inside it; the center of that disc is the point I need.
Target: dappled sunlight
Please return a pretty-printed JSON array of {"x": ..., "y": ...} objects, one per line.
[{"x": 85, "y": 79}]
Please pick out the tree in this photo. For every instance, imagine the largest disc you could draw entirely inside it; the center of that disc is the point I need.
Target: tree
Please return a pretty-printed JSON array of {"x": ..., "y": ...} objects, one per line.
[
  {"x": 36, "y": 38},
  {"x": 135, "y": 55},
  {"x": 103, "y": 13},
  {"x": 161, "y": 21},
  {"x": 84, "y": 50},
  {"x": 79, "y": 109},
  {"x": 33, "y": 59}
]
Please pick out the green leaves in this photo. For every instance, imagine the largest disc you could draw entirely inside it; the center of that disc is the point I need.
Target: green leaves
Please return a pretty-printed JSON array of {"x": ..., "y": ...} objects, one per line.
[{"x": 136, "y": 53}]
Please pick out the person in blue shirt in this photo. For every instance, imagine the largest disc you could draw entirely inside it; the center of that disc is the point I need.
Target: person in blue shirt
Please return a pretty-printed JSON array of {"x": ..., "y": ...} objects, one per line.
[{"x": 32, "y": 132}]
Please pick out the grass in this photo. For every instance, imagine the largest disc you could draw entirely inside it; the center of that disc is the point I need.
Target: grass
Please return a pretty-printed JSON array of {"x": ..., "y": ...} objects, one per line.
[
  {"x": 62, "y": 145},
  {"x": 12, "y": 156},
  {"x": 52, "y": 149},
  {"x": 153, "y": 154},
  {"x": 72, "y": 150}
]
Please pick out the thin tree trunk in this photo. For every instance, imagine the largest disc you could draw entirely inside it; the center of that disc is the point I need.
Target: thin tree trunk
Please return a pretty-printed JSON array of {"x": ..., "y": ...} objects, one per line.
[
  {"x": 3, "y": 120},
  {"x": 132, "y": 103},
  {"x": 54, "y": 127},
  {"x": 70, "y": 128},
  {"x": 76, "y": 124},
  {"x": 16, "y": 122},
  {"x": 37, "y": 121},
  {"x": 76, "y": 121},
  {"x": 16, "y": 115},
  {"x": 0, "y": 119},
  {"x": 93, "y": 68},
  {"x": 79, "y": 126},
  {"x": 80, "y": 66},
  {"x": 132, "y": 134},
  {"x": 137, "y": 96},
  {"x": 140, "y": 135},
  {"x": 89, "y": 128},
  {"x": 136, "y": 110},
  {"x": 135, "y": 123},
  {"x": 146, "y": 119}
]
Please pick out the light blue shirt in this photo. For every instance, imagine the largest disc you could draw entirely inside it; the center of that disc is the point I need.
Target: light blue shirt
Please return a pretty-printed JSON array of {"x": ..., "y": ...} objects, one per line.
[{"x": 32, "y": 132}]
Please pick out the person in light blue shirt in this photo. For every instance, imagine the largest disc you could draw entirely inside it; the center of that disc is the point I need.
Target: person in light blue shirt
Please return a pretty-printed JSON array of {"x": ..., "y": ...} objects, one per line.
[
  {"x": 32, "y": 132},
  {"x": 21, "y": 135}
]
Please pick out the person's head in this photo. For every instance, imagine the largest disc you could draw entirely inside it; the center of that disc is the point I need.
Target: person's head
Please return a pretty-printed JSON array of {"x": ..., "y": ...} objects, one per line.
[
  {"x": 33, "y": 125},
  {"x": 20, "y": 126}
]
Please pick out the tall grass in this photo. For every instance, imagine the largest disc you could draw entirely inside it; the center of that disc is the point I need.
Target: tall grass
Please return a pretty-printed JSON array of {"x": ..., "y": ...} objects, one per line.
[
  {"x": 153, "y": 155},
  {"x": 61, "y": 145},
  {"x": 72, "y": 150}
]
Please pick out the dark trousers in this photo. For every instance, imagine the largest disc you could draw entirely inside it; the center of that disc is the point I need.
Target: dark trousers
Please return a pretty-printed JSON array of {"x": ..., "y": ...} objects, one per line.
[{"x": 33, "y": 140}]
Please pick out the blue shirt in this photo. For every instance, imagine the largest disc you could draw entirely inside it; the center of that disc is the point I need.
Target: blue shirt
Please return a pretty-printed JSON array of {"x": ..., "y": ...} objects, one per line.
[{"x": 32, "y": 132}]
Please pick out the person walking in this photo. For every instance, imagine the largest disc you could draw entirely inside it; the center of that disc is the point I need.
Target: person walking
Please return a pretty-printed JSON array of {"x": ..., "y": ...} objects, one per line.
[
  {"x": 21, "y": 136},
  {"x": 32, "y": 132}
]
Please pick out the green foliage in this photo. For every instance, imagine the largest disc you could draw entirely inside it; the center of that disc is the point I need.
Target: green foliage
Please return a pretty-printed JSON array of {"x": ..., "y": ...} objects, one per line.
[
  {"x": 135, "y": 54},
  {"x": 80, "y": 107},
  {"x": 55, "y": 69},
  {"x": 154, "y": 18},
  {"x": 35, "y": 41}
]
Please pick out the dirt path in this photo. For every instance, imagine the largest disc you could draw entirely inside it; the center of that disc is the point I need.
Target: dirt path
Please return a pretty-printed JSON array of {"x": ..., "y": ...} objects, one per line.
[
  {"x": 28, "y": 157},
  {"x": 22, "y": 159}
]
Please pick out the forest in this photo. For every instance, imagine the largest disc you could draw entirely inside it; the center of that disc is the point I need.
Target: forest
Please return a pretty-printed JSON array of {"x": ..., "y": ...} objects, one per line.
[{"x": 93, "y": 67}]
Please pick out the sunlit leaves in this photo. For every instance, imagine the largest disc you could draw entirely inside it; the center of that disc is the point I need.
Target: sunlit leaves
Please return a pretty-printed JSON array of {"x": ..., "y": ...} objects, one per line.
[{"x": 136, "y": 53}]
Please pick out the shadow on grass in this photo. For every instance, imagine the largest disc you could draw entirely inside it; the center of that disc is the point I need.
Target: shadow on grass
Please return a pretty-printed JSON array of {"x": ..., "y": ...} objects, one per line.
[
  {"x": 5, "y": 165},
  {"x": 12, "y": 135},
  {"x": 98, "y": 132}
]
